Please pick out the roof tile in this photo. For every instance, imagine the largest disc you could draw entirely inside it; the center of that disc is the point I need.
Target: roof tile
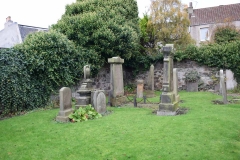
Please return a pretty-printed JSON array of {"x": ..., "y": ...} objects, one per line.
[{"x": 215, "y": 14}]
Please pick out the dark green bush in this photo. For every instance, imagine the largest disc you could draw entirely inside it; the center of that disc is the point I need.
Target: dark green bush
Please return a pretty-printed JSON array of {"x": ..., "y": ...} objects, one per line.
[
  {"x": 31, "y": 71},
  {"x": 106, "y": 28},
  {"x": 222, "y": 56},
  {"x": 225, "y": 34},
  {"x": 51, "y": 59}
]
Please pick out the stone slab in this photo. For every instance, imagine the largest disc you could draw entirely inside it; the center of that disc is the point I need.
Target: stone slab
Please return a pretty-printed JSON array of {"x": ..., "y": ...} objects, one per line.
[
  {"x": 168, "y": 106},
  {"x": 62, "y": 119},
  {"x": 140, "y": 88},
  {"x": 150, "y": 82},
  {"x": 192, "y": 86},
  {"x": 117, "y": 80},
  {"x": 100, "y": 103},
  {"x": 118, "y": 101},
  {"x": 167, "y": 97},
  {"x": 115, "y": 60},
  {"x": 223, "y": 85},
  {"x": 65, "y": 95},
  {"x": 83, "y": 100},
  {"x": 65, "y": 112},
  {"x": 166, "y": 113},
  {"x": 175, "y": 84},
  {"x": 149, "y": 93}
]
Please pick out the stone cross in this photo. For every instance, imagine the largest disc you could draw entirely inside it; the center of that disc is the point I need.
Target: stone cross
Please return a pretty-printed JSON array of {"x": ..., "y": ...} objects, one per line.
[
  {"x": 151, "y": 78},
  {"x": 223, "y": 87},
  {"x": 65, "y": 104},
  {"x": 168, "y": 104},
  {"x": 140, "y": 88}
]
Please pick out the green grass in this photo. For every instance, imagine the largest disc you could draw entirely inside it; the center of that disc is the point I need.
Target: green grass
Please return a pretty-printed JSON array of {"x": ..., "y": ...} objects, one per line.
[{"x": 207, "y": 131}]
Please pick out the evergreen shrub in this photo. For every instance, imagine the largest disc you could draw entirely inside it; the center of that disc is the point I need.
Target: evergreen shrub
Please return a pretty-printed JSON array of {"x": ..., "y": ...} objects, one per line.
[
  {"x": 33, "y": 70},
  {"x": 222, "y": 56}
]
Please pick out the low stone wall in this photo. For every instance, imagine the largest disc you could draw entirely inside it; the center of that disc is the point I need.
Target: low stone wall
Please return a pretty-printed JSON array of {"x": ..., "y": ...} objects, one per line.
[{"x": 207, "y": 74}]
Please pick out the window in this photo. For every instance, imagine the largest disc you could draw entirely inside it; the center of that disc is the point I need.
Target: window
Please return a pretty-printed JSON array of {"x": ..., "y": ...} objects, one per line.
[{"x": 204, "y": 35}]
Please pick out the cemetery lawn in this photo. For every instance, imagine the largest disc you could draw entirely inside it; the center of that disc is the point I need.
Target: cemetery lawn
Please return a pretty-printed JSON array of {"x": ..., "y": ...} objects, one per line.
[{"x": 207, "y": 131}]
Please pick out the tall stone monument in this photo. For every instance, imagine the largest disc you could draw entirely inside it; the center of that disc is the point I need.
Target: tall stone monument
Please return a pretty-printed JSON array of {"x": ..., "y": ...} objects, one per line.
[
  {"x": 85, "y": 89},
  {"x": 116, "y": 79},
  {"x": 168, "y": 104},
  {"x": 65, "y": 104},
  {"x": 175, "y": 84},
  {"x": 88, "y": 95},
  {"x": 223, "y": 87},
  {"x": 150, "y": 81}
]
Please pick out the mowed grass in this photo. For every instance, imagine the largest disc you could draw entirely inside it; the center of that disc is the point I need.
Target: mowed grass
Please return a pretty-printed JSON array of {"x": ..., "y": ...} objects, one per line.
[{"x": 207, "y": 131}]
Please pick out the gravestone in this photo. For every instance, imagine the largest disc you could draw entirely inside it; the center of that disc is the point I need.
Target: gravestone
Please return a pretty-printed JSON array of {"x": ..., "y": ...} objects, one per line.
[
  {"x": 98, "y": 99},
  {"x": 168, "y": 104},
  {"x": 150, "y": 82},
  {"x": 65, "y": 104},
  {"x": 192, "y": 86},
  {"x": 116, "y": 81},
  {"x": 140, "y": 88},
  {"x": 175, "y": 84},
  {"x": 223, "y": 87}
]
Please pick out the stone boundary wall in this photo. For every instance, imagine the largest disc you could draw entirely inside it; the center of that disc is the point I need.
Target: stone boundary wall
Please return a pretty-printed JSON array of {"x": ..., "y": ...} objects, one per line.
[{"x": 207, "y": 74}]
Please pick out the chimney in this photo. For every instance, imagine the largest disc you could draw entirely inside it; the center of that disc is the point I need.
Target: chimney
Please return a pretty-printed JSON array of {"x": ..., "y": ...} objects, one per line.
[
  {"x": 8, "y": 18},
  {"x": 8, "y": 22},
  {"x": 190, "y": 10}
]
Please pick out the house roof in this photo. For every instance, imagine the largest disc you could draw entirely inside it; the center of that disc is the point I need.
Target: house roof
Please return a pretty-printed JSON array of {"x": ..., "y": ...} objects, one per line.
[
  {"x": 25, "y": 30},
  {"x": 216, "y": 14}
]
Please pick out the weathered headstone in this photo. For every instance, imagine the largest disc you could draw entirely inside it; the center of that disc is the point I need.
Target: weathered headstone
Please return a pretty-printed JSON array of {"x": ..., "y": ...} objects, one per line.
[
  {"x": 98, "y": 99},
  {"x": 140, "y": 88},
  {"x": 116, "y": 80},
  {"x": 65, "y": 104},
  {"x": 223, "y": 87},
  {"x": 150, "y": 82},
  {"x": 168, "y": 104},
  {"x": 192, "y": 86},
  {"x": 175, "y": 84}
]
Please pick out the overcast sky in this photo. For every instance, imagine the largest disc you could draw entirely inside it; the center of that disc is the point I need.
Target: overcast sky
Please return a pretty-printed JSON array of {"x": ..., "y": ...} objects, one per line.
[{"x": 43, "y": 13}]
